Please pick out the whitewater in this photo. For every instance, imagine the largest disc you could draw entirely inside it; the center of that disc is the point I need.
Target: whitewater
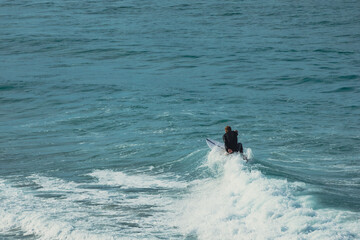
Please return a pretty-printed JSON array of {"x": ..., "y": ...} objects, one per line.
[
  {"x": 234, "y": 201},
  {"x": 105, "y": 107}
]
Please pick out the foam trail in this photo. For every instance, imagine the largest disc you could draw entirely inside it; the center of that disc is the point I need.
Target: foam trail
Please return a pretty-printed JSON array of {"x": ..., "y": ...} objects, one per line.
[
  {"x": 108, "y": 177},
  {"x": 248, "y": 153},
  {"x": 244, "y": 204},
  {"x": 38, "y": 217},
  {"x": 51, "y": 208}
]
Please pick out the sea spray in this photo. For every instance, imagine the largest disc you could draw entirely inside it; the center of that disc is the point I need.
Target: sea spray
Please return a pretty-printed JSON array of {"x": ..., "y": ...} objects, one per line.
[
  {"x": 52, "y": 208},
  {"x": 241, "y": 203}
]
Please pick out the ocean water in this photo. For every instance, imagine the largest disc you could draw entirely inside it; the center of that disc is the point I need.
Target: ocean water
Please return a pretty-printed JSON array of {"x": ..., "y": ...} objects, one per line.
[{"x": 105, "y": 107}]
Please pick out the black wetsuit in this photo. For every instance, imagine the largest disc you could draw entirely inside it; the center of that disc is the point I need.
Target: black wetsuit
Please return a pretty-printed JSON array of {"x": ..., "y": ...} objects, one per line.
[{"x": 231, "y": 142}]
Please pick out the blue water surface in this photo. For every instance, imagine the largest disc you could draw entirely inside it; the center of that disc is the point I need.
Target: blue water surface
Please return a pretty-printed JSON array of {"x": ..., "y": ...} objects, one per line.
[{"x": 105, "y": 107}]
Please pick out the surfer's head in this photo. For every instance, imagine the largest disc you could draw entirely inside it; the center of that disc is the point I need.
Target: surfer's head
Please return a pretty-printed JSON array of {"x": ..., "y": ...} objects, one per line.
[{"x": 227, "y": 129}]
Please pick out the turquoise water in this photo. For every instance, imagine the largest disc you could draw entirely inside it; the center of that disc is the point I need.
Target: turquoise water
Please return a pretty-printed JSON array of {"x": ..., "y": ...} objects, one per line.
[{"x": 105, "y": 107}]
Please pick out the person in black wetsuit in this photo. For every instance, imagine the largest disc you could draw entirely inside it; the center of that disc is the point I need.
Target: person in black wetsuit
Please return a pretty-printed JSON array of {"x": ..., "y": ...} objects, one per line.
[{"x": 231, "y": 141}]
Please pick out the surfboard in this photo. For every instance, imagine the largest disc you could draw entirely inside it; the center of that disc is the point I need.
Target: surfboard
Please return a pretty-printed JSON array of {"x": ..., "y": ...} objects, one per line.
[
  {"x": 221, "y": 146},
  {"x": 212, "y": 144}
]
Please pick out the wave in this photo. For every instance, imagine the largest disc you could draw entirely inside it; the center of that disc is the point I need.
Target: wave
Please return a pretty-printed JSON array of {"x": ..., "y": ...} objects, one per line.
[
  {"x": 113, "y": 178},
  {"x": 42, "y": 218},
  {"x": 235, "y": 201},
  {"x": 106, "y": 207},
  {"x": 242, "y": 203},
  {"x": 343, "y": 90}
]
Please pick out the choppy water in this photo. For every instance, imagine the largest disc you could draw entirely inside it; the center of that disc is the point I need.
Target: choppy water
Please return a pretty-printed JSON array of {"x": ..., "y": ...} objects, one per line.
[{"x": 105, "y": 106}]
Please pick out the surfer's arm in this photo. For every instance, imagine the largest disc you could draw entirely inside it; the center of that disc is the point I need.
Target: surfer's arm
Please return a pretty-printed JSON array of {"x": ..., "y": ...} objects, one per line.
[
  {"x": 224, "y": 139},
  {"x": 227, "y": 149}
]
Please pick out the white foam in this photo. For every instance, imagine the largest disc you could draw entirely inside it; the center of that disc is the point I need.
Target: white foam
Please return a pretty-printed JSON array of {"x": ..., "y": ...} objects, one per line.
[
  {"x": 43, "y": 218},
  {"x": 114, "y": 178},
  {"x": 236, "y": 203},
  {"x": 248, "y": 153},
  {"x": 243, "y": 204},
  {"x": 59, "y": 209}
]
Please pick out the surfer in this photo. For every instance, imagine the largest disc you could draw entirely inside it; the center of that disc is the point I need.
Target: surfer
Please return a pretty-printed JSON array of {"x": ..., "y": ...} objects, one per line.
[{"x": 231, "y": 141}]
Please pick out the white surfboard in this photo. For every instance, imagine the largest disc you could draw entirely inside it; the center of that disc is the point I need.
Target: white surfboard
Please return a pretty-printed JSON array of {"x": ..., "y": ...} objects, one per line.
[
  {"x": 221, "y": 146},
  {"x": 212, "y": 143}
]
